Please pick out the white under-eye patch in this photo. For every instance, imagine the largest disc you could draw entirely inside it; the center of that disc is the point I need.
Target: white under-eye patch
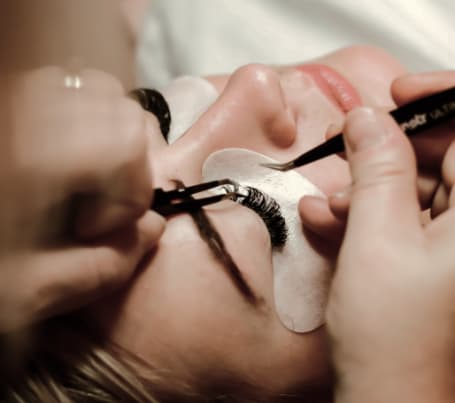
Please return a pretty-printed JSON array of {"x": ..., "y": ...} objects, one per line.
[
  {"x": 301, "y": 276},
  {"x": 188, "y": 98}
]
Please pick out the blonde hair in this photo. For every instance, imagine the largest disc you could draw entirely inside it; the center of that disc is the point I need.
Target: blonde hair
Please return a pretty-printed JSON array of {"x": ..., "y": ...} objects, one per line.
[{"x": 70, "y": 363}]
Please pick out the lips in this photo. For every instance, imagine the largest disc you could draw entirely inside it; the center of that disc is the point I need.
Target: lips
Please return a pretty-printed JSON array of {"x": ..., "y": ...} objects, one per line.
[{"x": 333, "y": 85}]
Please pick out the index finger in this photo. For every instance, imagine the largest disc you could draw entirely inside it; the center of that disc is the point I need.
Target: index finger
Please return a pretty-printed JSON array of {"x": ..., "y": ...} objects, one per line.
[
  {"x": 431, "y": 145},
  {"x": 413, "y": 86}
]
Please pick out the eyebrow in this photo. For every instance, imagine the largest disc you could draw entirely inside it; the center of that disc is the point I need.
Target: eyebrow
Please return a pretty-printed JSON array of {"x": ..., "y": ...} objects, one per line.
[
  {"x": 216, "y": 245},
  {"x": 215, "y": 242}
]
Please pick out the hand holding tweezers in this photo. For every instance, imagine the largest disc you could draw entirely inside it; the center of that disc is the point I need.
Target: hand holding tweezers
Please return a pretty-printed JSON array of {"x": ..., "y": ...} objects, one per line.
[
  {"x": 413, "y": 118},
  {"x": 180, "y": 200}
]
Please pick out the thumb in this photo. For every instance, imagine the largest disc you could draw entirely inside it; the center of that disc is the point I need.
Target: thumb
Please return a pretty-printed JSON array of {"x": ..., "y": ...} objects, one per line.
[{"x": 383, "y": 169}]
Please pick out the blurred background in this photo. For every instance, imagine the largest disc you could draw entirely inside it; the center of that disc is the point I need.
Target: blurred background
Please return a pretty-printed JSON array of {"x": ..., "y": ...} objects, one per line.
[{"x": 211, "y": 36}]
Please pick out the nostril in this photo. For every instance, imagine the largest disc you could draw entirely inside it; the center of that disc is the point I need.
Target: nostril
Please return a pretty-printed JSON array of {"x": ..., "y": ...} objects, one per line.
[
  {"x": 281, "y": 128},
  {"x": 267, "y": 89}
]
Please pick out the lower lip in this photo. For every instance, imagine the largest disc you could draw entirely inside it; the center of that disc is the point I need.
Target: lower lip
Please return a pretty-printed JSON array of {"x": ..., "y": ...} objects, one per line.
[{"x": 333, "y": 85}]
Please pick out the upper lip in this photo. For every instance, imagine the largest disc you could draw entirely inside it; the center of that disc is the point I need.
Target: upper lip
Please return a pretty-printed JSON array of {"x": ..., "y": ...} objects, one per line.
[{"x": 336, "y": 87}]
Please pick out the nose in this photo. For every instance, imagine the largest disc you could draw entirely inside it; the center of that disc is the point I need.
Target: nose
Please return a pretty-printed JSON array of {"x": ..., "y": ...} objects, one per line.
[
  {"x": 251, "y": 112},
  {"x": 257, "y": 104},
  {"x": 261, "y": 109}
]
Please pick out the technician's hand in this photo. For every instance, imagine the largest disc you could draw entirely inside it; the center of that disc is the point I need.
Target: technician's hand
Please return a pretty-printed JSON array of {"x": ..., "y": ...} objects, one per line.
[
  {"x": 435, "y": 149},
  {"x": 390, "y": 312},
  {"x": 75, "y": 182},
  {"x": 435, "y": 159}
]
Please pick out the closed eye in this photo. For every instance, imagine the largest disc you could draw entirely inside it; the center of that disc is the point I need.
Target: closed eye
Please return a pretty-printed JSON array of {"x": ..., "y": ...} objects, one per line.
[{"x": 270, "y": 212}]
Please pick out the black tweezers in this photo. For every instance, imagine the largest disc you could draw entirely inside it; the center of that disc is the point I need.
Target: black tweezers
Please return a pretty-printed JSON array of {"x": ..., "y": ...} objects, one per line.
[
  {"x": 180, "y": 200},
  {"x": 413, "y": 117}
]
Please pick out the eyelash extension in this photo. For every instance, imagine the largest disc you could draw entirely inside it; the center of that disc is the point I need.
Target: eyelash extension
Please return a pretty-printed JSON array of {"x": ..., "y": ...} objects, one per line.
[
  {"x": 154, "y": 102},
  {"x": 269, "y": 210}
]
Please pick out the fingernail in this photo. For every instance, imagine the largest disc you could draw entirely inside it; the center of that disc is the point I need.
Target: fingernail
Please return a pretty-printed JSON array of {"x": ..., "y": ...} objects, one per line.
[{"x": 364, "y": 129}]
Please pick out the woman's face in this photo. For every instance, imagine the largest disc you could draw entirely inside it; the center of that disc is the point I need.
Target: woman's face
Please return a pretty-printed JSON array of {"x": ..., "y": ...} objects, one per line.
[{"x": 183, "y": 310}]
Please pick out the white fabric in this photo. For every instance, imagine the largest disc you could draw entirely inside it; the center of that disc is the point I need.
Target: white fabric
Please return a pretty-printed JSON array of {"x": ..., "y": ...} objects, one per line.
[{"x": 210, "y": 36}]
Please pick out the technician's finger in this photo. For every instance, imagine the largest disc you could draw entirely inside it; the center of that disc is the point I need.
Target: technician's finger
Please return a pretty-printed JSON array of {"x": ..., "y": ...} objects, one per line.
[
  {"x": 431, "y": 145},
  {"x": 428, "y": 192},
  {"x": 444, "y": 197},
  {"x": 116, "y": 188},
  {"x": 74, "y": 79},
  {"x": 339, "y": 203},
  {"x": 414, "y": 86},
  {"x": 448, "y": 173},
  {"x": 441, "y": 237},
  {"x": 383, "y": 199},
  {"x": 97, "y": 81},
  {"x": 317, "y": 217},
  {"x": 67, "y": 279}
]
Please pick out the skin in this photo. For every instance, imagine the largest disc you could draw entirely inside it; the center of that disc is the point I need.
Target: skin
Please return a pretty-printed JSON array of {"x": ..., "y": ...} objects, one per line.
[
  {"x": 410, "y": 263},
  {"x": 58, "y": 253},
  {"x": 57, "y": 265},
  {"x": 182, "y": 310}
]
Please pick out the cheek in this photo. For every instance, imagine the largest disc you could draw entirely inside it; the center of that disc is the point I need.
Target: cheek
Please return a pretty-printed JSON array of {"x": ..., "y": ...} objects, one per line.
[
  {"x": 247, "y": 240},
  {"x": 299, "y": 359},
  {"x": 183, "y": 301},
  {"x": 182, "y": 312}
]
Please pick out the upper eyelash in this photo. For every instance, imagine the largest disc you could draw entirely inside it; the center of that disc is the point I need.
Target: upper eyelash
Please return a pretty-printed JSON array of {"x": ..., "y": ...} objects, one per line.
[
  {"x": 270, "y": 212},
  {"x": 216, "y": 245},
  {"x": 153, "y": 101}
]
